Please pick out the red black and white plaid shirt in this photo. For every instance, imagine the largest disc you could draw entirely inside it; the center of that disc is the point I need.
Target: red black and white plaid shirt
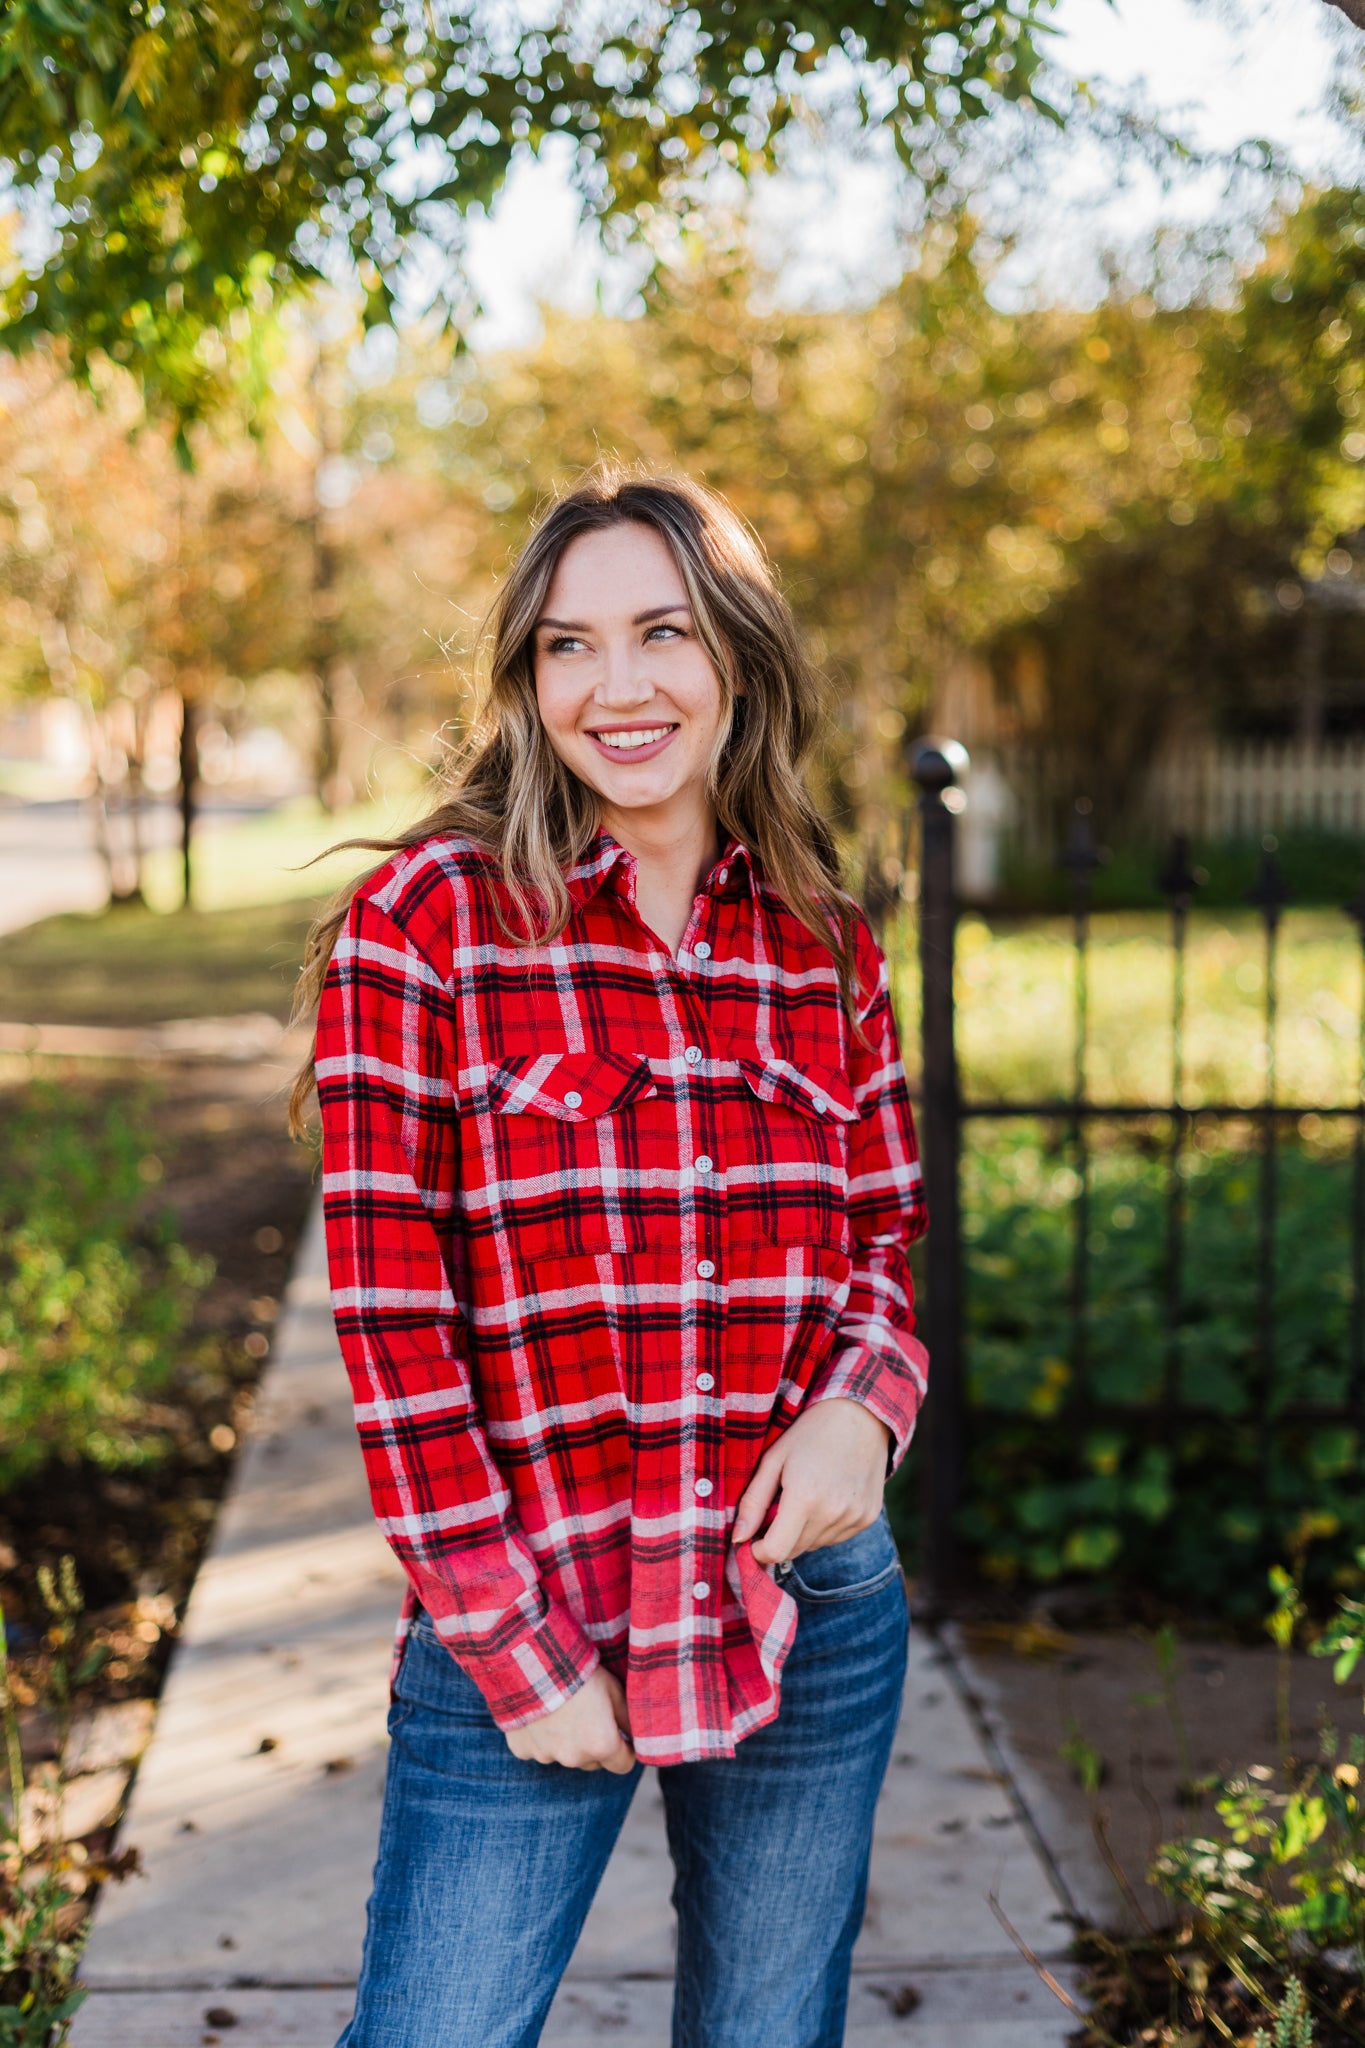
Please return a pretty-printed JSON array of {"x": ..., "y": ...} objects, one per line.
[{"x": 600, "y": 1223}]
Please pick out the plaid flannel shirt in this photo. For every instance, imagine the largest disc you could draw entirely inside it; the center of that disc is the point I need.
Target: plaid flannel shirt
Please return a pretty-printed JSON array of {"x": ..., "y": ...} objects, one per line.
[{"x": 601, "y": 1222}]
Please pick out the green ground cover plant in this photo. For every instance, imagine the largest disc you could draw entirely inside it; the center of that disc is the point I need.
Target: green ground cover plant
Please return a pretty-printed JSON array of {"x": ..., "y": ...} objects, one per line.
[
  {"x": 1188, "y": 1510},
  {"x": 96, "y": 1293}
]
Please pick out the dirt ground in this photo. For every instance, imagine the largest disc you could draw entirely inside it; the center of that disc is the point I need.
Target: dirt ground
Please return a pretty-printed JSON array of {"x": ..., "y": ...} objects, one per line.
[{"x": 1048, "y": 1698}]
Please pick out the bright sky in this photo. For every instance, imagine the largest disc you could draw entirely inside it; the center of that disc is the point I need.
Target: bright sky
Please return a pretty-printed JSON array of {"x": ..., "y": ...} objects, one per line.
[{"x": 1221, "y": 71}]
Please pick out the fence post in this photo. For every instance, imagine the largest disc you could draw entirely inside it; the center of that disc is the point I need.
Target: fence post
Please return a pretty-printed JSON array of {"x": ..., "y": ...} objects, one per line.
[{"x": 936, "y": 766}]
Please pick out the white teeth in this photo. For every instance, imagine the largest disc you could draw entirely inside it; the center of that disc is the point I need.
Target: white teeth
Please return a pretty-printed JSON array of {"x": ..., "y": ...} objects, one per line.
[{"x": 623, "y": 742}]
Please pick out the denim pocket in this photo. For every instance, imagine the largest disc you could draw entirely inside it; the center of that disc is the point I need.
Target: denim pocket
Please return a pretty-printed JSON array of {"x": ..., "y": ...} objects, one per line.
[{"x": 845, "y": 1571}]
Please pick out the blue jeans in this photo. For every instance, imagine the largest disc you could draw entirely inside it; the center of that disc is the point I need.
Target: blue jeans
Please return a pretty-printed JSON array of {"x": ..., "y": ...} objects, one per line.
[{"x": 488, "y": 1865}]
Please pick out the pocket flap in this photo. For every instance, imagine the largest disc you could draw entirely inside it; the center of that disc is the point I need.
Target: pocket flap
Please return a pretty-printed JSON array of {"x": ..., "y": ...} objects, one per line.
[
  {"x": 820, "y": 1092},
  {"x": 572, "y": 1086}
]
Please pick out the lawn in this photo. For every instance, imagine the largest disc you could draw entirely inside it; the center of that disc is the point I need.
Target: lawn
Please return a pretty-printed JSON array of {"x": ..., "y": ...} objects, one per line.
[
  {"x": 132, "y": 966},
  {"x": 277, "y": 855},
  {"x": 1016, "y": 998}
]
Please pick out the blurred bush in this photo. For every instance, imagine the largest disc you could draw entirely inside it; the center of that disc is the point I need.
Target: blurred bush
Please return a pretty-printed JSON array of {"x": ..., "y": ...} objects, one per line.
[{"x": 96, "y": 1297}]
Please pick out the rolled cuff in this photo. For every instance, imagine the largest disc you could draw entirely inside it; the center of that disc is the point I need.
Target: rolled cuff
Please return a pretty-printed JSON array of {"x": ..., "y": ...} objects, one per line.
[
  {"x": 537, "y": 1670},
  {"x": 886, "y": 1379}
]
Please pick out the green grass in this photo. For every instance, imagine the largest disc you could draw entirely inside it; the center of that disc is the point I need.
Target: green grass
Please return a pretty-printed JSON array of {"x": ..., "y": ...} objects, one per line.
[
  {"x": 1016, "y": 996},
  {"x": 131, "y": 966},
  {"x": 266, "y": 859},
  {"x": 239, "y": 949}
]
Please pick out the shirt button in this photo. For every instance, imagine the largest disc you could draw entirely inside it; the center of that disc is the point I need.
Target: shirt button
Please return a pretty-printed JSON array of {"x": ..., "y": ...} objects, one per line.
[
  {"x": 702, "y": 950},
  {"x": 705, "y": 1382},
  {"x": 706, "y": 1269},
  {"x": 701, "y": 1591},
  {"x": 703, "y": 1489},
  {"x": 704, "y": 1164},
  {"x": 723, "y": 877},
  {"x": 692, "y": 1054},
  {"x": 572, "y": 1099},
  {"x": 819, "y": 1105}
]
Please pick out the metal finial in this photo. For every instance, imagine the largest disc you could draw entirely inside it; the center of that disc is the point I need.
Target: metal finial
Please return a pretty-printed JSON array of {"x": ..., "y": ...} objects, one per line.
[
  {"x": 1080, "y": 853},
  {"x": 938, "y": 764}
]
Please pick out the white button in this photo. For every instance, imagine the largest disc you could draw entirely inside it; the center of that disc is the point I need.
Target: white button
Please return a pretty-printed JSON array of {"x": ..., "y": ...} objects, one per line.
[
  {"x": 702, "y": 950},
  {"x": 701, "y": 1591},
  {"x": 705, "y": 1382},
  {"x": 723, "y": 877},
  {"x": 819, "y": 1105},
  {"x": 573, "y": 1099},
  {"x": 706, "y": 1268},
  {"x": 703, "y": 1165},
  {"x": 692, "y": 1054},
  {"x": 703, "y": 1488}
]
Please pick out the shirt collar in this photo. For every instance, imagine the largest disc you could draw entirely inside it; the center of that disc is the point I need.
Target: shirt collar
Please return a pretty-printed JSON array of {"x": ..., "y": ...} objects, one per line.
[{"x": 731, "y": 870}]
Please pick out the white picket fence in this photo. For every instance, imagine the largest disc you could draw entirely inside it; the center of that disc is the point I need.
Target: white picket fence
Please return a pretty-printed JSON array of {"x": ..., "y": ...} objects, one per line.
[
  {"x": 1233, "y": 790},
  {"x": 1214, "y": 789}
]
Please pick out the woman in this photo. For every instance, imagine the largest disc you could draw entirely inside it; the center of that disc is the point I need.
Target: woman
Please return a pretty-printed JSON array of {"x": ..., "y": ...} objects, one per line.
[{"x": 619, "y": 1174}]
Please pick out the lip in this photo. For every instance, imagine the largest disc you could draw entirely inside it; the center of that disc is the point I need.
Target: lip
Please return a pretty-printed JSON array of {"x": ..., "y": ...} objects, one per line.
[{"x": 648, "y": 753}]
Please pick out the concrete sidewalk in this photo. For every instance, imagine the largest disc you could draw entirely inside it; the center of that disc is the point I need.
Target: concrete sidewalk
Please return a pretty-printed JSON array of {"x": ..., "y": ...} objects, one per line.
[{"x": 256, "y": 1808}]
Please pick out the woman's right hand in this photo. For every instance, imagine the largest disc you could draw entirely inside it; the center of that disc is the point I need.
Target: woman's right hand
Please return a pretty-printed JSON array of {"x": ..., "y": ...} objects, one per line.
[{"x": 590, "y": 1732}]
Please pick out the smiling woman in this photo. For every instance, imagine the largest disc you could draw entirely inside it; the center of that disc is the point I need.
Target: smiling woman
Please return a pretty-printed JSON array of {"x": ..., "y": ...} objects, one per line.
[{"x": 619, "y": 1175}]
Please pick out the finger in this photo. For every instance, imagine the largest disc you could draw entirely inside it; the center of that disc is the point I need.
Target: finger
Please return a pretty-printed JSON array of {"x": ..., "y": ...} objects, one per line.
[
  {"x": 620, "y": 1711},
  {"x": 757, "y": 1496},
  {"x": 621, "y": 1760},
  {"x": 784, "y": 1537}
]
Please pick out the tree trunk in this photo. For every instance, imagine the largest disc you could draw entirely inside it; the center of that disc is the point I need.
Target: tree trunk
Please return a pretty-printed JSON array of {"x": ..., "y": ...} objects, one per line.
[
  {"x": 326, "y": 597},
  {"x": 189, "y": 791}
]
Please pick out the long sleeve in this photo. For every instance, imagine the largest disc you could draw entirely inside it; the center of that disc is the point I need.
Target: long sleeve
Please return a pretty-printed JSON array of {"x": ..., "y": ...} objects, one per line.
[
  {"x": 386, "y": 1070},
  {"x": 877, "y": 1358}
]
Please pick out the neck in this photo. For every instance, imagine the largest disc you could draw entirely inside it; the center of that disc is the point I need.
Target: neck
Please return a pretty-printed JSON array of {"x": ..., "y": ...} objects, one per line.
[{"x": 668, "y": 846}]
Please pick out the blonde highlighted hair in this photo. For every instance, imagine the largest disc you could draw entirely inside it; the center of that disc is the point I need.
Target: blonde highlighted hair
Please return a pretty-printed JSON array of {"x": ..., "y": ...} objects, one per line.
[{"x": 507, "y": 790}]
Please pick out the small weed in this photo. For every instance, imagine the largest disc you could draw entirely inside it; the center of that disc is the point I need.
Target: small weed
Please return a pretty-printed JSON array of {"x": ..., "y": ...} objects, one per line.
[{"x": 43, "y": 1877}]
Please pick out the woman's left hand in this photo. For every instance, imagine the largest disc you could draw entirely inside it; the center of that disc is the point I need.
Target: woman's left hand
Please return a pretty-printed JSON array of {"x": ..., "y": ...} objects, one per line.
[{"x": 831, "y": 1468}]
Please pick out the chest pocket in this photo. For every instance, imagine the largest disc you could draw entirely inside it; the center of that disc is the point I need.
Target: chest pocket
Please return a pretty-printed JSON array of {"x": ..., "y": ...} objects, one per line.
[
  {"x": 566, "y": 1150},
  {"x": 787, "y": 1174}
]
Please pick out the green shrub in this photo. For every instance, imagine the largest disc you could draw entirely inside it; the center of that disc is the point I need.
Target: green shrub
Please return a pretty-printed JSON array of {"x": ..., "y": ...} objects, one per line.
[
  {"x": 95, "y": 1299},
  {"x": 1191, "y": 1510},
  {"x": 1322, "y": 868}
]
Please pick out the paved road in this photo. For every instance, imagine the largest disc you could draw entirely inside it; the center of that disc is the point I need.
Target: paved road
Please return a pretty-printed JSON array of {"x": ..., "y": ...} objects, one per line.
[
  {"x": 48, "y": 862},
  {"x": 256, "y": 1808}
]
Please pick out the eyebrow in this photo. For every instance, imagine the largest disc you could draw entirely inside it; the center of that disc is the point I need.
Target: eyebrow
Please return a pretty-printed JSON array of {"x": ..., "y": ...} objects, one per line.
[{"x": 658, "y": 611}]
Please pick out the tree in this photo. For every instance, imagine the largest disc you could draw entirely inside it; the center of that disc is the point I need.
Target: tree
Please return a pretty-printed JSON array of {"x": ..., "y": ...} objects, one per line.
[{"x": 190, "y": 163}]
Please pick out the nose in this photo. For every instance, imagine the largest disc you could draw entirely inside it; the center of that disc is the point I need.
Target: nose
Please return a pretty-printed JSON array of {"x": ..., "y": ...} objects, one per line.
[{"x": 624, "y": 683}]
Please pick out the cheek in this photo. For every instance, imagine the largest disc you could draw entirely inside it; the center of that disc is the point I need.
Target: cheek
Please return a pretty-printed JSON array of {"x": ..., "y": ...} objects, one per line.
[
  {"x": 698, "y": 693},
  {"x": 558, "y": 706}
]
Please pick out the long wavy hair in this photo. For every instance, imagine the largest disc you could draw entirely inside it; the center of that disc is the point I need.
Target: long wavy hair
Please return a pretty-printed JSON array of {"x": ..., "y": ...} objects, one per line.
[{"x": 506, "y": 789}]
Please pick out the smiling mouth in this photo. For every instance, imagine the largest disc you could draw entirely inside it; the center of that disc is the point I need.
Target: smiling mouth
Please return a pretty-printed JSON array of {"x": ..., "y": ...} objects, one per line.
[{"x": 629, "y": 739}]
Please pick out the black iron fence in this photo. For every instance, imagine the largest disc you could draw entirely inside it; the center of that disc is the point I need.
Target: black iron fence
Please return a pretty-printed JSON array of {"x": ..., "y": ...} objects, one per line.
[{"x": 956, "y": 1417}]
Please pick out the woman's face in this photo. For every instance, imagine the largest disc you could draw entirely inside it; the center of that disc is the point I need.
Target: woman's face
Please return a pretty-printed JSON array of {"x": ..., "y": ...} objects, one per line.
[{"x": 627, "y": 693}]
